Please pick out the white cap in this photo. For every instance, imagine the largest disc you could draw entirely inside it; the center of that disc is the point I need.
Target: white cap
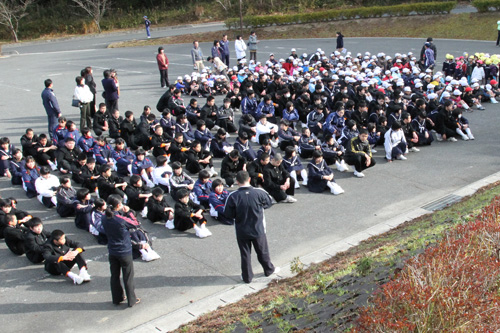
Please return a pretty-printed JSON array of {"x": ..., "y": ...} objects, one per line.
[
  {"x": 432, "y": 95},
  {"x": 293, "y": 50},
  {"x": 457, "y": 92},
  {"x": 446, "y": 94},
  {"x": 406, "y": 88},
  {"x": 179, "y": 78},
  {"x": 418, "y": 85}
]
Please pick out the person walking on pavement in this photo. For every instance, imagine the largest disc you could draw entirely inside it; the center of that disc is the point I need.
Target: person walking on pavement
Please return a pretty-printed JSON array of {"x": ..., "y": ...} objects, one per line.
[
  {"x": 147, "y": 23},
  {"x": 162, "y": 60},
  {"x": 197, "y": 56},
  {"x": 51, "y": 106},
  {"x": 246, "y": 206},
  {"x": 120, "y": 251},
  {"x": 340, "y": 41},
  {"x": 224, "y": 44}
]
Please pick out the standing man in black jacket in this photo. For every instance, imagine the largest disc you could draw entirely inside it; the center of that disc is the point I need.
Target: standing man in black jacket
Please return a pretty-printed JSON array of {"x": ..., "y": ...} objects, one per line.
[{"x": 247, "y": 206}]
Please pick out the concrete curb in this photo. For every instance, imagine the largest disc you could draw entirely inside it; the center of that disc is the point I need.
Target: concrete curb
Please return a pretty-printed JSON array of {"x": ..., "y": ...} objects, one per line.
[{"x": 173, "y": 320}]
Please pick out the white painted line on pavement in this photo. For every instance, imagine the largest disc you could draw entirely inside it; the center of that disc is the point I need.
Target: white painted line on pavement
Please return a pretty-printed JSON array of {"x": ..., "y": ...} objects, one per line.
[
  {"x": 56, "y": 52},
  {"x": 11, "y": 86},
  {"x": 137, "y": 60}
]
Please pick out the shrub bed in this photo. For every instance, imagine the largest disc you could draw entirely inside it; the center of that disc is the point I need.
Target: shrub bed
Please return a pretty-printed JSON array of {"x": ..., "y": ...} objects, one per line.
[
  {"x": 423, "y": 8},
  {"x": 452, "y": 286},
  {"x": 486, "y": 5}
]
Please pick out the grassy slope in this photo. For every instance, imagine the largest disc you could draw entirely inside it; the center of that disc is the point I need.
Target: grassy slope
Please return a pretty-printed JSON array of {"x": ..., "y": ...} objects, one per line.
[
  {"x": 271, "y": 308},
  {"x": 479, "y": 26}
]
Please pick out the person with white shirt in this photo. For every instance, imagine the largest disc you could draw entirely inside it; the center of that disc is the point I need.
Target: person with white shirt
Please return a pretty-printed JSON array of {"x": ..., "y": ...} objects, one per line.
[
  {"x": 46, "y": 186},
  {"x": 161, "y": 173},
  {"x": 240, "y": 47},
  {"x": 85, "y": 96},
  {"x": 267, "y": 128},
  {"x": 395, "y": 143}
]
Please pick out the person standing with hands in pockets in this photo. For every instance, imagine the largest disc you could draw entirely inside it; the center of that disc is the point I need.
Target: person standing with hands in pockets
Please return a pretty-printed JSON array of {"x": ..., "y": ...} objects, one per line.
[
  {"x": 162, "y": 60},
  {"x": 246, "y": 206}
]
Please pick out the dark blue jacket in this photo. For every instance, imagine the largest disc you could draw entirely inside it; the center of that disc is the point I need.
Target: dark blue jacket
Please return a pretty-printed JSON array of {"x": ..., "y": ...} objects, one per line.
[
  {"x": 110, "y": 89},
  {"x": 119, "y": 243},
  {"x": 83, "y": 217},
  {"x": 247, "y": 206},
  {"x": 50, "y": 103},
  {"x": 315, "y": 182}
]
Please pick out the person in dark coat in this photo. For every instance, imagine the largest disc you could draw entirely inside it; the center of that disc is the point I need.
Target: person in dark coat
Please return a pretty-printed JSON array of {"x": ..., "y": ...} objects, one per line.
[
  {"x": 138, "y": 194},
  {"x": 359, "y": 154},
  {"x": 61, "y": 254},
  {"x": 14, "y": 235},
  {"x": 159, "y": 210},
  {"x": 109, "y": 184},
  {"x": 100, "y": 123},
  {"x": 277, "y": 181},
  {"x": 8, "y": 206},
  {"x": 66, "y": 196},
  {"x": 83, "y": 209},
  {"x": 321, "y": 175},
  {"x": 256, "y": 169},
  {"x": 230, "y": 165},
  {"x": 189, "y": 214},
  {"x": 340, "y": 41},
  {"x": 51, "y": 105},
  {"x": 35, "y": 239},
  {"x": 246, "y": 206},
  {"x": 111, "y": 90},
  {"x": 120, "y": 252},
  {"x": 67, "y": 156}
]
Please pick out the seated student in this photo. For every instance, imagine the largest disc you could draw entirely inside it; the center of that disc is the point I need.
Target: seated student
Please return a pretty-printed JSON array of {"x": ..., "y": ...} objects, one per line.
[
  {"x": 308, "y": 143},
  {"x": 167, "y": 122},
  {"x": 219, "y": 147},
  {"x": 96, "y": 227},
  {"x": 14, "y": 235},
  {"x": 123, "y": 157},
  {"x": 277, "y": 181},
  {"x": 256, "y": 170},
  {"x": 159, "y": 210},
  {"x": 143, "y": 167},
  {"x": 266, "y": 109},
  {"x": 83, "y": 209},
  {"x": 45, "y": 152},
  {"x": 198, "y": 159},
  {"x": 291, "y": 114},
  {"x": 86, "y": 142},
  {"x": 114, "y": 121},
  {"x": 287, "y": 135},
  {"x": 8, "y": 206},
  {"x": 382, "y": 128},
  {"x": 6, "y": 149},
  {"x": 77, "y": 173},
  {"x": 463, "y": 125},
  {"x": 128, "y": 128},
  {"x": 137, "y": 194},
  {"x": 208, "y": 112},
  {"x": 333, "y": 153},
  {"x": 89, "y": 175},
  {"x": 321, "y": 175},
  {"x": 160, "y": 141},
  {"x": 217, "y": 200},
  {"x": 203, "y": 135},
  {"x": 349, "y": 131},
  {"x": 178, "y": 149},
  {"x": 102, "y": 152},
  {"x": 61, "y": 254},
  {"x": 230, "y": 165},
  {"x": 100, "y": 123},
  {"x": 188, "y": 214},
  {"x": 294, "y": 166},
  {"x": 373, "y": 136},
  {"x": 395, "y": 143},
  {"x": 183, "y": 126},
  {"x": 59, "y": 132},
  {"x": 410, "y": 134},
  {"x": 193, "y": 111},
  {"x": 109, "y": 184},
  {"x": 202, "y": 188},
  {"x": 66, "y": 196},
  {"x": 72, "y": 132},
  {"x": 30, "y": 175},
  {"x": 28, "y": 142},
  {"x": 46, "y": 186},
  {"x": 34, "y": 240},
  {"x": 67, "y": 156},
  {"x": 179, "y": 180},
  {"x": 225, "y": 116},
  {"x": 419, "y": 125},
  {"x": 242, "y": 144},
  {"x": 268, "y": 129},
  {"x": 16, "y": 167},
  {"x": 247, "y": 124},
  {"x": 265, "y": 147},
  {"x": 161, "y": 173},
  {"x": 335, "y": 122},
  {"x": 359, "y": 154}
]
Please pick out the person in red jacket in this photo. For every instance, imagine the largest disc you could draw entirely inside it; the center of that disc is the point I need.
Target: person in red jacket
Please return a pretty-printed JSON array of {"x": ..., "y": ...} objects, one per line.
[{"x": 162, "y": 60}]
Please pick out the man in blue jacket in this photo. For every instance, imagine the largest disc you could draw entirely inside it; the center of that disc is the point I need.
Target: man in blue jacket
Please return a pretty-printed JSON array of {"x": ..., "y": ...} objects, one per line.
[
  {"x": 51, "y": 105},
  {"x": 224, "y": 44},
  {"x": 247, "y": 206}
]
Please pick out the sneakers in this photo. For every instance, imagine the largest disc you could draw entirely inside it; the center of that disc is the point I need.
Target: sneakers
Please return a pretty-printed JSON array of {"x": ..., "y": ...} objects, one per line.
[
  {"x": 205, "y": 230},
  {"x": 144, "y": 212},
  {"x": 77, "y": 279},
  {"x": 304, "y": 182},
  {"x": 452, "y": 139},
  {"x": 471, "y": 137},
  {"x": 276, "y": 271},
  {"x": 439, "y": 137},
  {"x": 52, "y": 165},
  {"x": 465, "y": 137},
  {"x": 482, "y": 108},
  {"x": 340, "y": 167},
  {"x": 374, "y": 151},
  {"x": 289, "y": 199},
  {"x": 344, "y": 164},
  {"x": 213, "y": 173},
  {"x": 273, "y": 201},
  {"x": 335, "y": 188},
  {"x": 359, "y": 174},
  {"x": 149, "y": 255},
  {"x": 84, "y": 274},
  {"x": 170, "y": 224},
  {"x": 401, "y": 157},
  {"x": 297, "y": 185},
  {"x": 150, "y": 184},
  {"x": 199, "y": 232},
  {"x": 414, "y": 149}
]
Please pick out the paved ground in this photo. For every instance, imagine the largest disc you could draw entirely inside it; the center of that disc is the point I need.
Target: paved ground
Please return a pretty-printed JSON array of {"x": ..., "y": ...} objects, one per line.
[{"x": 191, "y": 268}]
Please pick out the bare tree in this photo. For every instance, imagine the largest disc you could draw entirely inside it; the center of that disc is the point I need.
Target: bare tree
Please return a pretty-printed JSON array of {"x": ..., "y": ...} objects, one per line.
[
  {"x": 11, "y": 11},
  {"x": 95, "y": 8}
]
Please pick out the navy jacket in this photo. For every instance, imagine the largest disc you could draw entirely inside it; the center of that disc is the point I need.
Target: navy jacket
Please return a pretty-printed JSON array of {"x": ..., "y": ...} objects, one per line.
[
  {"x": 50, "y": 103},
  {"x": 110, "y": 89},
  {"x": 247, "y": 206},
  {"x": 119, "y": 243}
]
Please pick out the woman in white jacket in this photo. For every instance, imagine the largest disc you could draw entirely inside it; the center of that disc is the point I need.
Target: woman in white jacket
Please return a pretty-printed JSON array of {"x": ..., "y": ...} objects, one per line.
[
  {"x": 240, "y": 48},
  {"x": 395, "y": 143},
  {"x": 46, "y": 186},
  {"x": 84, "y": 96}
]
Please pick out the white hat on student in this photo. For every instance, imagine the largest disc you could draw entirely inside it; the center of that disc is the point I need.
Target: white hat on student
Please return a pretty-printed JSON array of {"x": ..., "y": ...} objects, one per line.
[
  {"x": 457, "y": 92},
  {"x": 432, "y": 96},
  {"x": 446, "y": 94}
]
